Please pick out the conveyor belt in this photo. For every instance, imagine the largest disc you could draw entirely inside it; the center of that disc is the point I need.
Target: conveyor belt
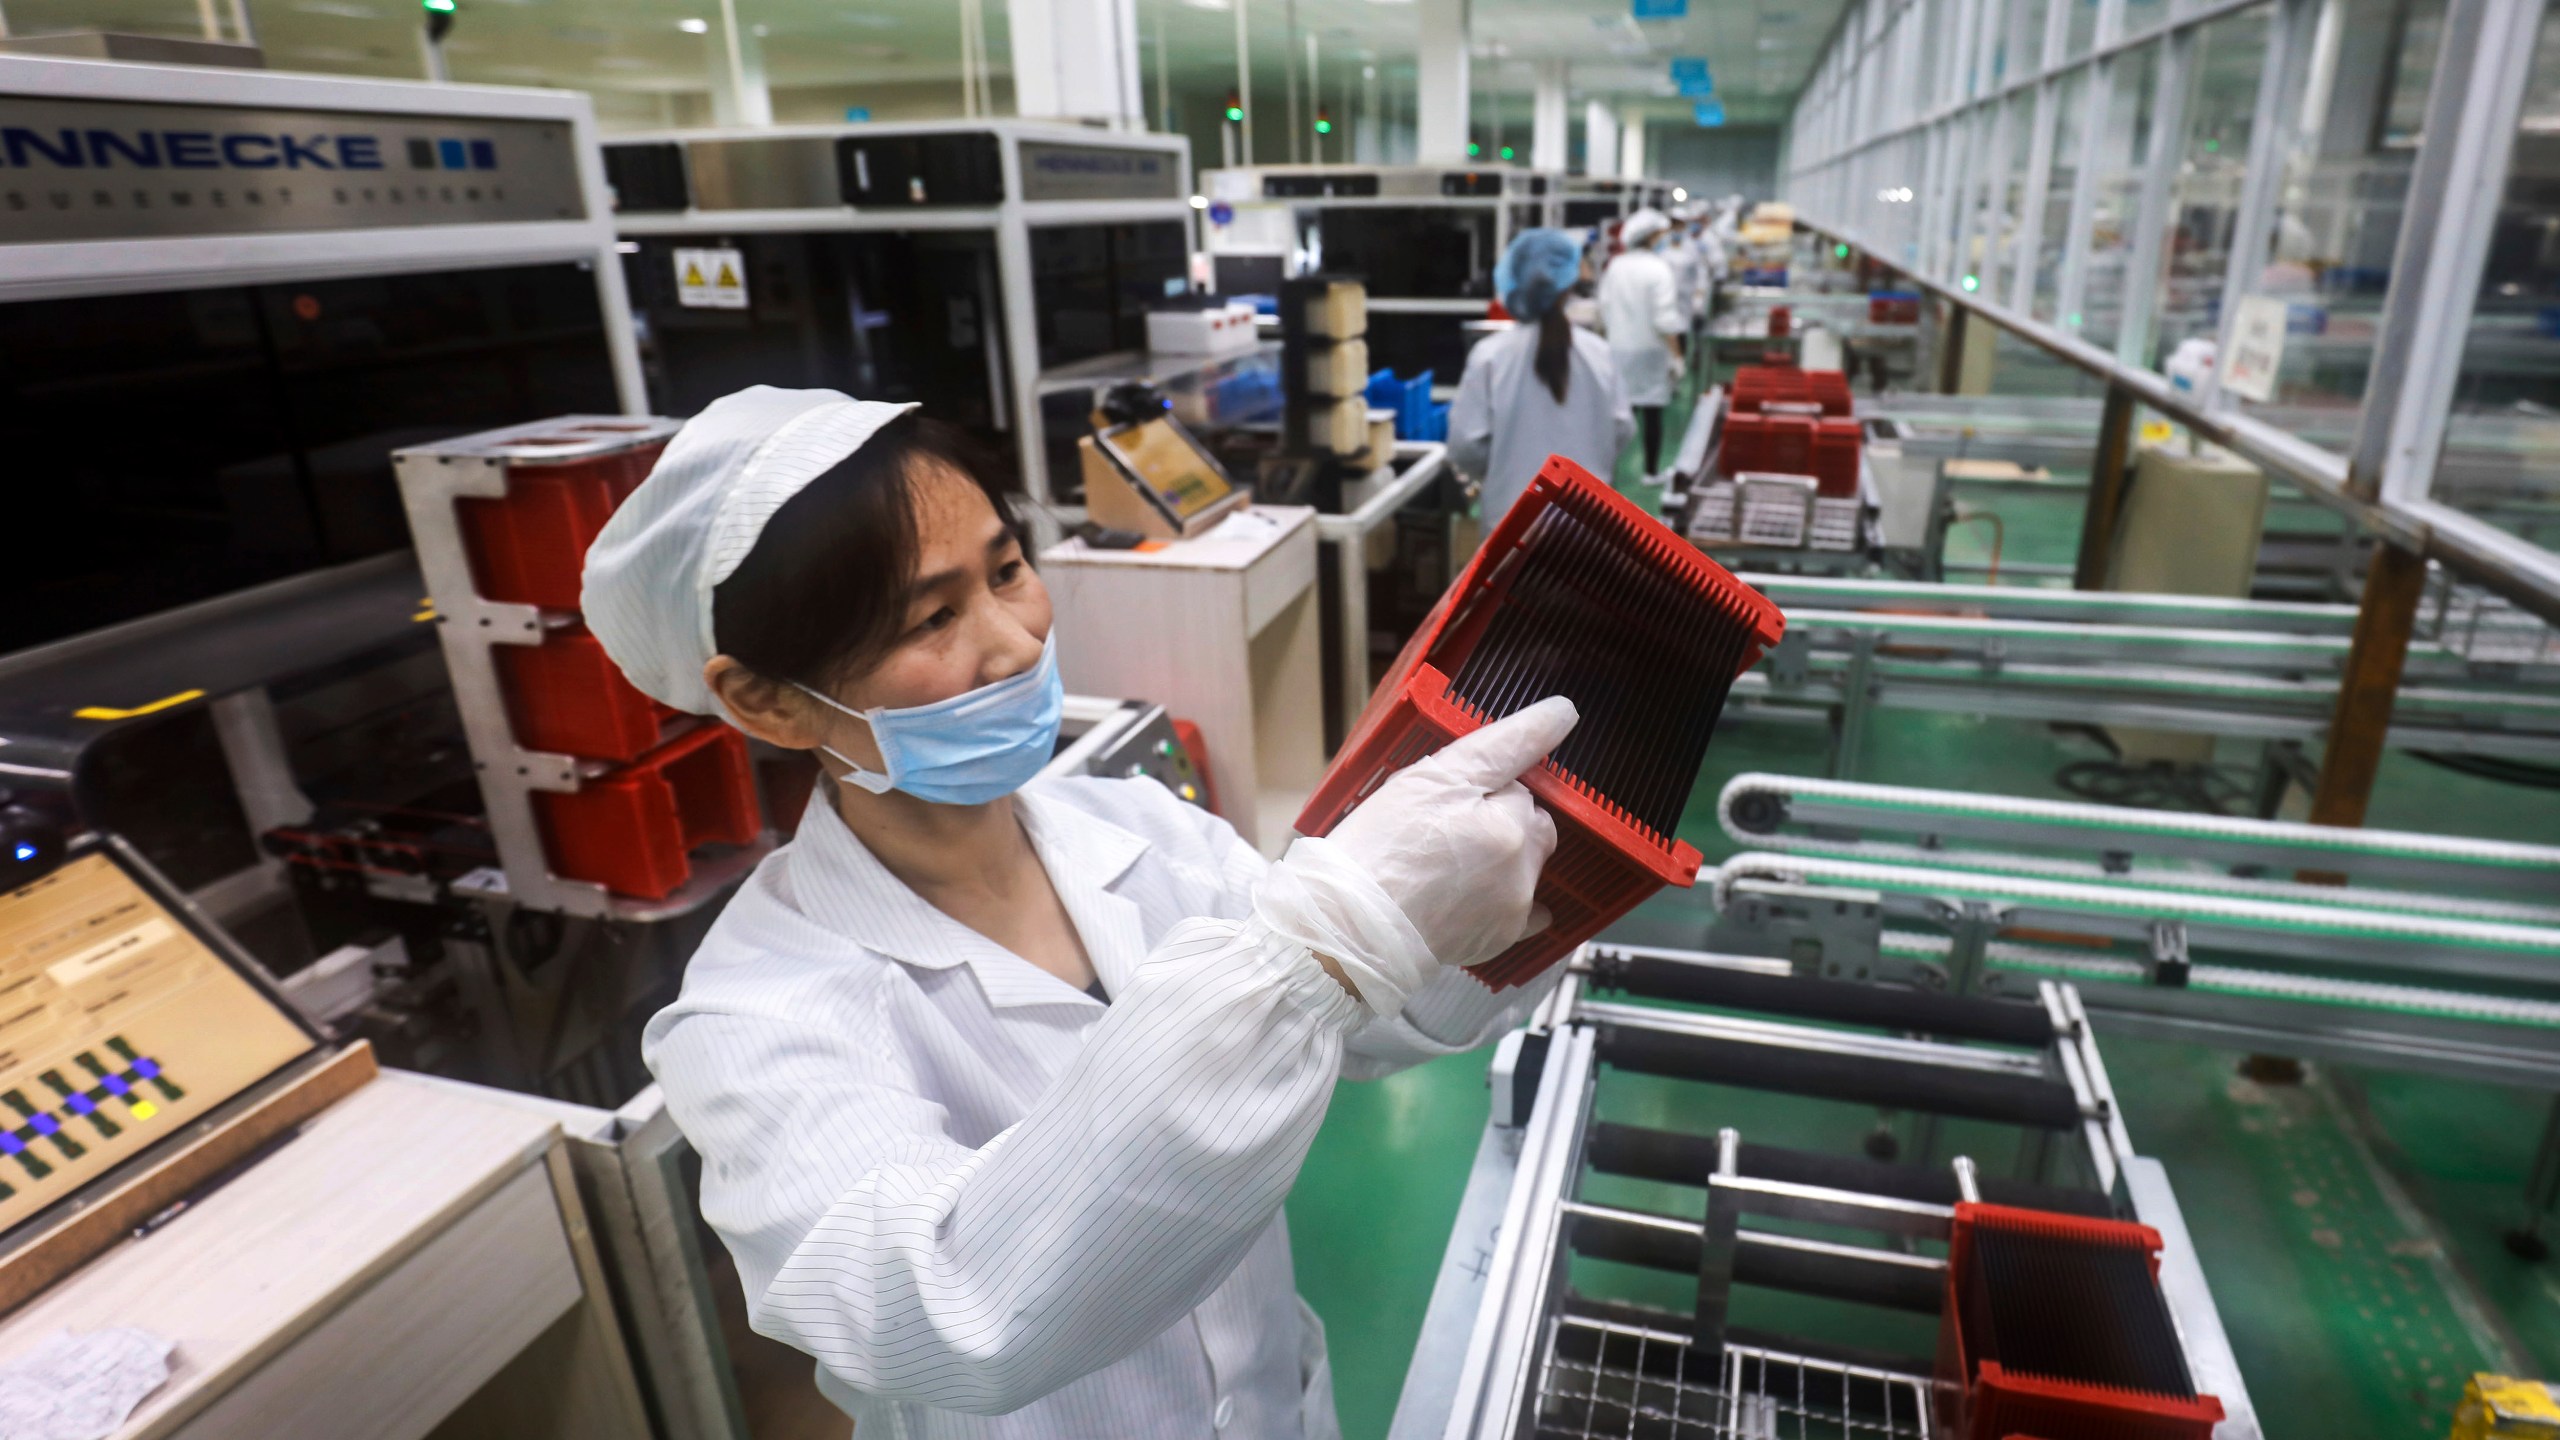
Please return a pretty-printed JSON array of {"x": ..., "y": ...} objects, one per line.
[
  {"x": 1755, "y": 807},
  {"x": 2201, "y": 882},
  {"x": 1954, "y": 1016},
  {"x": 2083, "y": 607},
  {"x": 2419, "y": 1000},
  {"x": 1882, "y": 1081},
  {"x": 1681, "y": 1159},
  {"x": 2370, "y": 938}
]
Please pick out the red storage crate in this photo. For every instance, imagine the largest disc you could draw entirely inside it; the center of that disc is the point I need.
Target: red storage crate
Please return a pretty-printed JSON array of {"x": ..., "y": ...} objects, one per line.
[
  {"x": 1577, "y": 592},
  {"x": 633, "y": 830},
  {"x": 1790, "y": 448},
  {"x": 2055, "y": 1325},
  {"x": 530, "y": 547},
  {"x": 1829, "y": 389},
  {"x": 1746, "y": 443},
  {"x": 1756, "y": 385},
  {"x": 567, "y": 695},
  {"x": 1835, "y": 456}
]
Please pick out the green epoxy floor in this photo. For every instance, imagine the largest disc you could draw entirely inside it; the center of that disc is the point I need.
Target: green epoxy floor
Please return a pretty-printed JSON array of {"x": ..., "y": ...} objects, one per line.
[{"x": 2350, "y": 1225}]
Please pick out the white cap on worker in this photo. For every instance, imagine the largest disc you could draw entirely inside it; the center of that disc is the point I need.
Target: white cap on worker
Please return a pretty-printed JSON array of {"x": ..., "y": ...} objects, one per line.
[
  {"x": 651, "y": 571},
  {"x": 1643, "y": 226}
]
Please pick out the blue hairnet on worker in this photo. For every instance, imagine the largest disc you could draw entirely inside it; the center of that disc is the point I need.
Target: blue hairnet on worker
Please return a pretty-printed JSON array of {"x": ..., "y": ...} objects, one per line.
[
  {"x": 999, "y": 1080},
  {"x": 1546, "y": 387}
]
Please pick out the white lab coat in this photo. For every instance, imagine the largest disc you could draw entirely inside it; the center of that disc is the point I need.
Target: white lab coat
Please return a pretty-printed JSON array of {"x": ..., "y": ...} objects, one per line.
[
  {"x": 1688, "y": 275},
  {"x": 1506, "y": 422},
  {"x": 1639, "y": 309},
  {"x": 990, "y": 1205}
]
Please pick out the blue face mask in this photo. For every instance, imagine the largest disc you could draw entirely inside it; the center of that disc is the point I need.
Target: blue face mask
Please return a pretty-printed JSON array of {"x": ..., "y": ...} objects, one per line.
[{"x": 969, "y": 749}]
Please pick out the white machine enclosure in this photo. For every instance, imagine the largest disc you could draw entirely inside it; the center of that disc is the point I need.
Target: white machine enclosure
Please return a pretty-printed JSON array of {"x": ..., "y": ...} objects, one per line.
[{"x": 782, "y": 180}]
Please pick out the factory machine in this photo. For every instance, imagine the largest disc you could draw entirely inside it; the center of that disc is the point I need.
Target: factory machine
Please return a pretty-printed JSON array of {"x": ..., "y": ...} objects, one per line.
[
  {"x": 999, "y": 272},
  {"x": 225, "y": 298},
  {"x": 2014, "y": 1267},
  {"x": 1424, "y": 239},
  {"x": 1587, "y": 201}
]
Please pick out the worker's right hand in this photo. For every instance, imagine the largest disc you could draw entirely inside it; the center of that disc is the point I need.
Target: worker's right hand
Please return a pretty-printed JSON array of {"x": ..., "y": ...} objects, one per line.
[{"x": 1438, "y": 866}]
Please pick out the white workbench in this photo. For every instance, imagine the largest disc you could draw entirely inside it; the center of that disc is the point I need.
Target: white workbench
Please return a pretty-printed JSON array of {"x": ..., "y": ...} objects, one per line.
[
  {"x": 414, "y": 1263},
  {"x": 1221, "y": 630}
]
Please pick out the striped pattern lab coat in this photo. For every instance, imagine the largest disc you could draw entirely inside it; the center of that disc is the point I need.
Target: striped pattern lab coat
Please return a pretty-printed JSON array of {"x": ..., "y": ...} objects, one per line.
[{"x": 990, "y": 1205}]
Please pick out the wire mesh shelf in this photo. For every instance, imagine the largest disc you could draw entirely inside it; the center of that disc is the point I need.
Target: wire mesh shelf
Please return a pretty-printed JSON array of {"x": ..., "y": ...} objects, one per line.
[{"x": 1607, "y": 1380}]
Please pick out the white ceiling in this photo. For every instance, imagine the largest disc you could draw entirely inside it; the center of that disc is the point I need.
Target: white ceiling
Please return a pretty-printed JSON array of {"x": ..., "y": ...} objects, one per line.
[{"x": 1759, "y": 50}]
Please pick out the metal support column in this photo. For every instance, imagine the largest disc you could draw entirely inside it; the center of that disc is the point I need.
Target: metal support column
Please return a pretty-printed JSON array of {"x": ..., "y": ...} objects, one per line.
[
  {"x": 2541, "y": 1188},
  {"x": 2110, "y": 474},
  {"x": 2393, "y": 586},
  {"x": 1951, "y": 349}
]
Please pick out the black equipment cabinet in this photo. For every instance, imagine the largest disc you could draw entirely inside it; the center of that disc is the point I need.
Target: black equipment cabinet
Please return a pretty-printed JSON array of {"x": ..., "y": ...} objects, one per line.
[
  {"x": 893, "y": 315},
  {"x": 170, "y": 446}
]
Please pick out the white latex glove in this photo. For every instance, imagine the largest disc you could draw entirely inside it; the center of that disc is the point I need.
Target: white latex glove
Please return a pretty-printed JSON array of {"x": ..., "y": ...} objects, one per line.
[{"x": 1437, "y": 867}]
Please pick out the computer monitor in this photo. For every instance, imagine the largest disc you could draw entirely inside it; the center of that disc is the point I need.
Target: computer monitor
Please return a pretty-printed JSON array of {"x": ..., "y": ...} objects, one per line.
[{"x": 126, "y": 1022}]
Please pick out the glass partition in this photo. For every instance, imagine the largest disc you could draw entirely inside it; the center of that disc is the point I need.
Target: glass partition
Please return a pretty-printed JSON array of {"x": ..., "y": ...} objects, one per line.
[
  {"x": 2053, "y": 227},
  {"x": 2239, "y": 185},
  {"x": 2115, "y": 203},
  {"x": 2502, "y": 441},
  {"x": 2213, "y": 157}
]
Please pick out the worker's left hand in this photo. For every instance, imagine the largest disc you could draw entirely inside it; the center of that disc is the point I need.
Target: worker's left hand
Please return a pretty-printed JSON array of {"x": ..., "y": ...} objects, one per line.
[{"x": 1439, "y": 866}]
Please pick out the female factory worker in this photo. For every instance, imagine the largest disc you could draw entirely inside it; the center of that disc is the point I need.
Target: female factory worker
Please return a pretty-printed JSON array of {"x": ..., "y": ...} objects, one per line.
[
  {"x": 1544, "y": 388},
  {"x": 999, "y": 1084},
  {"x": 1641, "y": 313}
]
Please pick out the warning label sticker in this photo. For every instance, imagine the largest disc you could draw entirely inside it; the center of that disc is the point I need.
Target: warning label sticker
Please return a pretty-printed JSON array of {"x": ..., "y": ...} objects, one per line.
[{"x": 711, "y": 279}]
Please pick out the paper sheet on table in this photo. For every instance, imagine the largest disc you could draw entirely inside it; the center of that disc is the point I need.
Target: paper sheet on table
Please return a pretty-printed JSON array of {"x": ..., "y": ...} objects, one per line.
[
  {"x": 80, "y": 1387},
  {"x": 1245, "y": 525}
]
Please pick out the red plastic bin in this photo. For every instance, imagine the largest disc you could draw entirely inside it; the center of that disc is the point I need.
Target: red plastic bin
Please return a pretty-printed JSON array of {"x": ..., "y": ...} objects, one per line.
[
  {"x": 530, "y": 547},
  {"x": 567, "y": 695},
  {"x": 1836, "y": 445},
  {"x": 2063, "y": 1293},
  {"x": 1577, "y": 592},
  {"x": 634, "y": 829},
  {"x": 1746, "y": 443},
  {"x": 1790, "y": 445}
]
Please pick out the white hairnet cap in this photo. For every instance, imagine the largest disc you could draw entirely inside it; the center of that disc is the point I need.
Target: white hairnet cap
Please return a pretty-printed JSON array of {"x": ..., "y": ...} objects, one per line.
[
  {"x": 1642, "y": 226},
  {"x": 651, "y": 571}
]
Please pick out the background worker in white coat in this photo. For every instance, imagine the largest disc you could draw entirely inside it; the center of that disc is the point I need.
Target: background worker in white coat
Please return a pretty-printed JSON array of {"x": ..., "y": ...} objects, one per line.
[
  {"x": 999, "y": 1084},
  {"x": 1647, "y": 328},
  {"x": 1546, "y": 387}
]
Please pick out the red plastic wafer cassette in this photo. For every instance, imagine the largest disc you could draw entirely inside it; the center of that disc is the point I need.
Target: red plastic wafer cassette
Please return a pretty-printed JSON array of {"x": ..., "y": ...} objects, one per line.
[
  {"x": 2054, "y": 1325},
  {"x": 1579, "y": 593}
]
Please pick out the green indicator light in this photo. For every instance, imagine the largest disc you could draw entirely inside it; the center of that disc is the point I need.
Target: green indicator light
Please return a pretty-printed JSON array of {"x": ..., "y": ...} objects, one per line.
[
  {"x": 1972, "y": 282},
  {"x": 1474, "y": 149},
  {"x": 1234, "y": 112},
  {"x": 1839, "y": 252},
  {"x": 2212, "y": 145},
  {"x": 439, "y": 7},
  {"x": 1324, "y": 127},
  {"x": 1508, "y": 152}
]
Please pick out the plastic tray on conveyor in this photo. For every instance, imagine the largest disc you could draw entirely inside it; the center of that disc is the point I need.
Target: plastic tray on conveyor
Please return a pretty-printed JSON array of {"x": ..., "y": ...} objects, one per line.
[{"x": 1579, "y": 593}]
